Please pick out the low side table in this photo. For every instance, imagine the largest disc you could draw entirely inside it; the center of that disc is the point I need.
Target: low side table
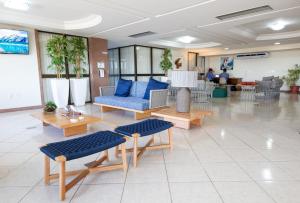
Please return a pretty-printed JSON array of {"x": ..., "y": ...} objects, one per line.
[
  {"x": 61, "y": 122},
  {"x": 182, "y": 120}
]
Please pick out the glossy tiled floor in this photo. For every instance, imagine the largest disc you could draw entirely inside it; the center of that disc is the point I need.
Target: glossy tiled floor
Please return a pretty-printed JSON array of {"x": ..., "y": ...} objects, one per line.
[{"x": 245, "y": 153}]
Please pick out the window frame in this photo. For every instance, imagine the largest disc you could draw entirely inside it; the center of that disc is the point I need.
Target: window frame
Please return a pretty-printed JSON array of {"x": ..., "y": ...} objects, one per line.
[
  {"x": 135, "y": 74},
  {"x": 67, "y": 75}
]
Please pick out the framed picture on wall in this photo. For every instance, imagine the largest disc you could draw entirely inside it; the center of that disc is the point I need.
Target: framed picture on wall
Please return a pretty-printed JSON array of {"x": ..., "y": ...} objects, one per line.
[{"x": 227, "y": 63}]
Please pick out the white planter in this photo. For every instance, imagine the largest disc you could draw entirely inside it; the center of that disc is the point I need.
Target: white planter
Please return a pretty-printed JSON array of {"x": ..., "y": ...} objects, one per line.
[
  {"x": 164, "y": 79},
  {"x": 79, "y": 90},
  {"x": 60, "y": 92}
]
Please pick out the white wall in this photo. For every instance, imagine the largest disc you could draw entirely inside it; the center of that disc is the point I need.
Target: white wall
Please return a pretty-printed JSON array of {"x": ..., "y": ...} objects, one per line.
[
  {"x": 180, "y": 53},
  {"x": 19, "y": 77},
  {"x": 276, "y": 64}
]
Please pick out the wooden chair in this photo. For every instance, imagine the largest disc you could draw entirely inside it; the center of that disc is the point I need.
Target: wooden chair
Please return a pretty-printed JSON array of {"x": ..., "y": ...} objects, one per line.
[
  {"x": 145, "y": 128},
  {"x": 64, "y": 151}
]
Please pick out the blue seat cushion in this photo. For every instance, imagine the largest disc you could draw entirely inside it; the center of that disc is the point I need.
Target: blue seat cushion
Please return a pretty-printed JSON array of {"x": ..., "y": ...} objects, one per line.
[
  {"x": 154, "y": 85},
  {"x": 144, "y": 128},
  {"x": 126, "y": 102},
  {"x": 83, "y": 146},
  {"x": 123, "y": 88}
]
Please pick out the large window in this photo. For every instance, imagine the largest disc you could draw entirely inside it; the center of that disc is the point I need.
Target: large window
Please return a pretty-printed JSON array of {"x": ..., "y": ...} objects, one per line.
[
  {"x": 47, "y": 74},
  {"x": 127, "y": 60},
  {"x": 134, "y": 62},
  {"x": 143, "y": 60}
]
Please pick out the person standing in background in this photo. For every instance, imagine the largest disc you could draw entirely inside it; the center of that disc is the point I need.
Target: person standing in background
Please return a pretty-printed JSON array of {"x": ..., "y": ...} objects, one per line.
[
  {"x": 210, "y": 75},
  {"x": 224, "y": 75}
]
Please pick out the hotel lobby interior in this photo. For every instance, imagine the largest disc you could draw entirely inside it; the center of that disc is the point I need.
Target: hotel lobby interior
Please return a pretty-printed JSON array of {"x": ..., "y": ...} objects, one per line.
[{"x": 150, "y": 101}]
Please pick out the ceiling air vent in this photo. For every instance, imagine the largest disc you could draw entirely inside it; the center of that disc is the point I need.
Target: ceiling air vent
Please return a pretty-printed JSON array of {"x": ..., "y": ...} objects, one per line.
[
  {"x": 142, "y": 34},
  {"x": 253, "y": 55},
  {"x": 260, "y": 9}
]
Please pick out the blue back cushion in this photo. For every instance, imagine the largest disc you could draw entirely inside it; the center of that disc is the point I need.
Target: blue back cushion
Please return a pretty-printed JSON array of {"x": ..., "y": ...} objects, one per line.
[
  {"x": 133, "y": 89},
  {"x": 123, "y": 88},
  {"x": 138, "y": 89},
  {"x": 141, "y": 89},
  {"x": 154, "y": 85}
]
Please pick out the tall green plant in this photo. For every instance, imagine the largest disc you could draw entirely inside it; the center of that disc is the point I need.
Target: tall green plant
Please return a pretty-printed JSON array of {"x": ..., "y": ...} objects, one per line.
[
  {"x": 56, "y": 48},
  {"x": 76, "y": 54},
  {"x": 292, "y": 76},
  {"x": 166, "y": 63}
]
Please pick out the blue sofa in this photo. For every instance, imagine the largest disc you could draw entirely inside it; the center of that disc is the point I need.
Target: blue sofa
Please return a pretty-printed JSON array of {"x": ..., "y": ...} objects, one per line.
[{"x": 134, "y": 102}]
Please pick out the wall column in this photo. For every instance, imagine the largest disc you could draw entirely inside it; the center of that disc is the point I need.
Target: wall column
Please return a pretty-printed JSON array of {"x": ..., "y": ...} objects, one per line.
[{"x": 98, "y": 52}]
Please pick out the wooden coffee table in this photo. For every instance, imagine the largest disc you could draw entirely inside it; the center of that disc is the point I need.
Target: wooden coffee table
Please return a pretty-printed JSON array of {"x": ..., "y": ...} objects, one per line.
[
  {"x": 182, "y": 120},
  {"x": 61, "y": 122}
]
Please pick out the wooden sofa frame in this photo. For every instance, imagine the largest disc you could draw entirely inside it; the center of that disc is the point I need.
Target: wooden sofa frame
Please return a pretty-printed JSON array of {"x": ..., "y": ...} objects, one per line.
[{"x": 138, "y": 115}]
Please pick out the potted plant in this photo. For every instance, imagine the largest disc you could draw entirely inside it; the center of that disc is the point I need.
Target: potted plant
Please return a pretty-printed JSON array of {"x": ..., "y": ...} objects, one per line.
[
  {"x": 56, "y": 48},
  {"x": 166, "y": 63},
  {"x": 292, "y": 77},
  {"x": 50, "y": 107},
  {"x": 76, "y": 57}
]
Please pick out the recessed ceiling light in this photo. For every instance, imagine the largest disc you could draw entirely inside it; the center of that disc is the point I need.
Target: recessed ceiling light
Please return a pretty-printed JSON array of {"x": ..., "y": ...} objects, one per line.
[
  {"x": 226, "y": 48},
  {"x": 186, "y": 39},
  {"x": 185, "y": 8},
  {"x": 277, "y": 43},
  {"x": 22, "y": 5},
  {"x": 278, "y": 25}
]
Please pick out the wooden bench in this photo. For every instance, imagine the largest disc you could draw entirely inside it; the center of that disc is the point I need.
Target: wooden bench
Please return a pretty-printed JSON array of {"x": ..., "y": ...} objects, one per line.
[
  {"x": 143, "y": 129},
  {"x": 64, "y": 151}
]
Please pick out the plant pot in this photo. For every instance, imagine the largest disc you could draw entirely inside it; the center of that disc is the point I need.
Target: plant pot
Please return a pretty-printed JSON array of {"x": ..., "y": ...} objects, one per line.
[
  {"x": 49, "y": 112},
  {"x": 79, "y": 90},
  {"x": 294, "y": 89},
  {"x": 164, "y": 78},
  {"x": 60, "y": 92}
]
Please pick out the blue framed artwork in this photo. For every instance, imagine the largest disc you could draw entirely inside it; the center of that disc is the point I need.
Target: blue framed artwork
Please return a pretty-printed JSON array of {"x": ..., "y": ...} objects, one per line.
[
  {"x": 227, "y": 63},
  {"x": 14, "y": 41}
]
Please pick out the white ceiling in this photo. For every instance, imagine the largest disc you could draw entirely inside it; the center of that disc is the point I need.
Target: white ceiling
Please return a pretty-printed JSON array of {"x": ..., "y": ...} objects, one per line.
[{"x": 121, "y": 18}]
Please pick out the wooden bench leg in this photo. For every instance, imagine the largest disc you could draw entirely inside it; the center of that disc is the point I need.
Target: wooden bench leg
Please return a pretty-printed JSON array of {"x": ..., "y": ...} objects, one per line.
[
  {"x": 170, "y": 136},
  {"x": 106, "y": 154},
  {"x": 124, "y": 158},
  {"x": 47, "y": 170},
  {"x": 117, "y": 151},
  {"x": 135, "y": 149},
  {"x": 62, "y": 177}
]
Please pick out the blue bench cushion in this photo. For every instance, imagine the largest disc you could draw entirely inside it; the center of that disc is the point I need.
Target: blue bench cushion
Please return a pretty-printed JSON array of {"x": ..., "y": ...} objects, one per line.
[
  {"x": 144, "y": 128},
  {"x": 126, "y": 102},
  {"x": 83, "y": 146}
]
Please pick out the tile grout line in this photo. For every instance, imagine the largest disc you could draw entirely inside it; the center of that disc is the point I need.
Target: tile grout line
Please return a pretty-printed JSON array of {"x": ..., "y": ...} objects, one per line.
[
  {"x": 124, "y": 184},
  {"x": 204, "y": 169},
  {"x": 170, "y": 193},
  {"x": 31, "y": 189},
  {"x": 237, "y": 163}
]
